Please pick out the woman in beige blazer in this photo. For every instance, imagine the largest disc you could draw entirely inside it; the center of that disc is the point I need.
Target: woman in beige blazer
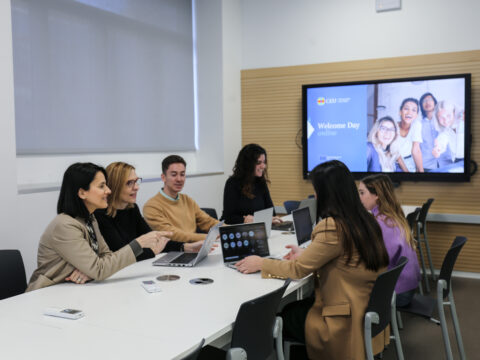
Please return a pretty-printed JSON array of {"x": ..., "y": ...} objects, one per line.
[
  {"x": 346, "y": 255},
  {"x": 72, "y": 247}
]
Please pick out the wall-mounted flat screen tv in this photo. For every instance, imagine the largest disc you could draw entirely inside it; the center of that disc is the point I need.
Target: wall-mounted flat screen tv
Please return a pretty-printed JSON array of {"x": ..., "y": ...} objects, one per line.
[{"x": 412, "y": 128}]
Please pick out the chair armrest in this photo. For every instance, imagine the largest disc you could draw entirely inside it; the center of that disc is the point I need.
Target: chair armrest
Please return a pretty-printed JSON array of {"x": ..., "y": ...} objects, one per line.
[
  {"x": 236, "y": 354},
  {"x": 277, "y": 336}
]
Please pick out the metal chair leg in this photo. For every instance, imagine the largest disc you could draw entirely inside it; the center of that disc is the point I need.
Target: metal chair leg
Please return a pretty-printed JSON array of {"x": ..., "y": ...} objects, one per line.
[
  {"x": 393, "y": 315},
  {"x": 422, "y": 260},
  {"x": 399, "y": 320},
  {"x": 429, "y": 254},
  {"x": 456, "y": 325},
  {"x": 420, "y": 287},
  {"x": 443, "y": 322}
]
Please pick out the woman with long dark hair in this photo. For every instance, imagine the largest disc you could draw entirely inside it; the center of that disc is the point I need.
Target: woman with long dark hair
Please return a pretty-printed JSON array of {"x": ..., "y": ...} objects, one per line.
[
  {"x": 246, "y": 191},
  {"x": 378, "y": 196},
  {"x": 72, "y": 247},
  {"x": 346, "y": 255},
  {"x": 408, "y": 116}
]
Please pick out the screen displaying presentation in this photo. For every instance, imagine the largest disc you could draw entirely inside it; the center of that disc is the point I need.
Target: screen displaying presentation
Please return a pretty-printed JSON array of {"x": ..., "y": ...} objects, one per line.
[{"x": 413, "y": 129}]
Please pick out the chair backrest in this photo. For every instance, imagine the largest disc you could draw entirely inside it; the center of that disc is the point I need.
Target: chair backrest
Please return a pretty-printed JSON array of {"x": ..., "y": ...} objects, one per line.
[
  {"x": 412, "y": 219},
  {"x": 422, "y": 217},
  {"x": 13, "y": 280},
  {"x": 291, "y": 205},
  {"x": 211, "y": 212},
  {"x": 381, "y": 296},
  {"x": 449, "y": 261},
  {"x": 253, "y": 329}
]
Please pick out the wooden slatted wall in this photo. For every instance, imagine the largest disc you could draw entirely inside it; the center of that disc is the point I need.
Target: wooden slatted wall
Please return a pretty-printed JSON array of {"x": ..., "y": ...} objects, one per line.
[{"x": 271, "y": 116}]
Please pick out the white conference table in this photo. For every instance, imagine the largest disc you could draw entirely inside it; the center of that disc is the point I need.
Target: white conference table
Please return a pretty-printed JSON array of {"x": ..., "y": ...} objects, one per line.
[{"x": 123, "y": 321}]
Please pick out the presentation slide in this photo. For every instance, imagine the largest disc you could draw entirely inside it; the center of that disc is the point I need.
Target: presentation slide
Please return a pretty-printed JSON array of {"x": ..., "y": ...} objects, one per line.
[
  {"x": 337, "y": 124},
  {"x": 410, "y": 126}
]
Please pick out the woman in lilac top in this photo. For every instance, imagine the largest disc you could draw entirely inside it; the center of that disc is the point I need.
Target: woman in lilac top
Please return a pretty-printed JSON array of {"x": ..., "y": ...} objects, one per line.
[{"x": 378, "y": 196}]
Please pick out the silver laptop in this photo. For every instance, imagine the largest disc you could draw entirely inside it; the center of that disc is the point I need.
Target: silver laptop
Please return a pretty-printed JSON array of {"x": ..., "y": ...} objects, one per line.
[
  {"x": 178, "y": 258},
  {"x": 266, "y": 217},
  {"x": 242, "y": 240},
  {"x": 303, "y": 226}
]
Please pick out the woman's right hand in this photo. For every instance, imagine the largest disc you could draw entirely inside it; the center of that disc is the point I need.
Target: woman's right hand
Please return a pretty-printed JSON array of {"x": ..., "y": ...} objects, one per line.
[
  {"x": 155, "y": 240},
  {"x": 294, "y": 253},
  {"x": 248, "y": 219},
  {"x": 77, "y": 277}
]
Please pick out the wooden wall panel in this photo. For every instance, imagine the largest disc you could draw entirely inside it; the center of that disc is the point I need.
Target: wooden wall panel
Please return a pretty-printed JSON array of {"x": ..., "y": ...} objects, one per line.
[{"x": 271, "y": 116}]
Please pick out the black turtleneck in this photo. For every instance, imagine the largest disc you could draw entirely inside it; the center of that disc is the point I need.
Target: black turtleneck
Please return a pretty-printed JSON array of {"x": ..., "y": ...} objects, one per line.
[{"x": 128, "y": 224}]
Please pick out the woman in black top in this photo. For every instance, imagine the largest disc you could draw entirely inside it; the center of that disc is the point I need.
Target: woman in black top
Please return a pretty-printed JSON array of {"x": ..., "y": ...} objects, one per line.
[
  {"x": 246, "y": 191},
  {"x": 121, "y": 221}
]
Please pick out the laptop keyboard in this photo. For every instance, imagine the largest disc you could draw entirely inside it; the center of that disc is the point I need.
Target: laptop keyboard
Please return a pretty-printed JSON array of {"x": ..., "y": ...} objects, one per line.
[
  {"x": 285, "y": 226},
  {"x": 185, "y": 258},
  {"x": 232, "y": 265}
]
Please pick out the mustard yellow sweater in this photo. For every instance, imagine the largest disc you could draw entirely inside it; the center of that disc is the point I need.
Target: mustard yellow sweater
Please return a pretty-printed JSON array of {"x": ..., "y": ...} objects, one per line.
[{"x": 182, "y": 217}]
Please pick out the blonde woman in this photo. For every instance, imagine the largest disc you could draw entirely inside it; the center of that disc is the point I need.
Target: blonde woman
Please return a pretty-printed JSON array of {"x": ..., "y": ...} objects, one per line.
[
  {"x": 451, "y": 134},
  {"x": 122, "y": 222},
  {"x": 377, "y": 195},
  {"x": 72, "y": 248},
  {"x": 382, "y": 150}
]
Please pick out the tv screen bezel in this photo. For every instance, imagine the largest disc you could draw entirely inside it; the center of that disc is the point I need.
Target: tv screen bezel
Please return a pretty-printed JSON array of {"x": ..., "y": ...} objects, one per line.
[{"x": 400, "y": 176}]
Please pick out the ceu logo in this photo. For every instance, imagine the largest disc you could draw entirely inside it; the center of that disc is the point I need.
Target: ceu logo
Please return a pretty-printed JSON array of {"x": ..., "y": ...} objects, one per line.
[{"x": 321, "y": 101}]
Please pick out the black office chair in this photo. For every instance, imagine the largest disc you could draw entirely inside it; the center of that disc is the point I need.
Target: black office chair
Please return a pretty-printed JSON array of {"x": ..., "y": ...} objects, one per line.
[
  {"x": 211, "y": 212},
  {"x": 291, "y": 205},
  {"x": 412, "y": 219},
  {"x": 13, "y": 280},
  {"x": 255, "y": 329},
  {"x": 193, "y": 355},
  {"x": 381, "y": 309},
  {"x": 422, "y": 231},
  {"x": 424, "y": 306}
]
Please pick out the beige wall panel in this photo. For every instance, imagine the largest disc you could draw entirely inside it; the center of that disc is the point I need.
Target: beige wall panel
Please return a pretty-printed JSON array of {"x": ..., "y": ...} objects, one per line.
[
  {"x": 271, "y": 116},
  {"x": 441, "y": 235}
]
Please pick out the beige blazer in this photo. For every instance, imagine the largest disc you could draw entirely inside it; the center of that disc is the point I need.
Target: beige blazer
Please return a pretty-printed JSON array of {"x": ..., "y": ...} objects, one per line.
[
  {"x": 65, "y": 246},
  {"x": 334, "y": 324}
]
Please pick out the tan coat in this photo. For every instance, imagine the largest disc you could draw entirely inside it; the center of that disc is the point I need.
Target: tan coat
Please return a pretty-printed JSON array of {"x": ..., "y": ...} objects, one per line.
[
  {"x": 64, "y": 247},
  {"x": 182, "y": 217},
  {"x": 334, "y": 324}
]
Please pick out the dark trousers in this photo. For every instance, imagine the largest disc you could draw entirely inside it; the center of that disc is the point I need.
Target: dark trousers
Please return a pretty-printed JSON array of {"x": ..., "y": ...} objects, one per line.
[
  {"x": 404, "y": 299},
  {"x": 294, "y": 316}
]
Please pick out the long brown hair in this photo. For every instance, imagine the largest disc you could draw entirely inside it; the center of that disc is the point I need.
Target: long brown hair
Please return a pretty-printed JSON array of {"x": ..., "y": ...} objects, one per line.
[
  {"x": 245, "y": 167},
  {"x": 337, "y": 197},
  {"x": 117, "y": 175},
  {"x": 388, "y": 204}
]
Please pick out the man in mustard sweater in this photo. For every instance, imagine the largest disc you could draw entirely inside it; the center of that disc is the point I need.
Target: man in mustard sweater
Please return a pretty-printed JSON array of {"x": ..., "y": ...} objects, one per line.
[{"x": 171, "y": 211}]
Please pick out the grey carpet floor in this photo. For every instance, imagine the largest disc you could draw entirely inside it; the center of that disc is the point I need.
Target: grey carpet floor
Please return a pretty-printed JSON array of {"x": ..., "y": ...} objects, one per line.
[{"x": 422, "y": 339}]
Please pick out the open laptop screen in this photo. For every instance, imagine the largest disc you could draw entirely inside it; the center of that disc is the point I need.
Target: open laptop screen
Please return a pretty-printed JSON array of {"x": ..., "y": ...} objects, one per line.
[
  {"x": 239, "y": 241},
  {"x": 264, "y": 216},
  {"x": 303, "y": 224}
]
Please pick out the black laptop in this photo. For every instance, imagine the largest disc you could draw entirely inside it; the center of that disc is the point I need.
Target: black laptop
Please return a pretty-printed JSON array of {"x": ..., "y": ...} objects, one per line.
[{"x": 242, "y": 240}]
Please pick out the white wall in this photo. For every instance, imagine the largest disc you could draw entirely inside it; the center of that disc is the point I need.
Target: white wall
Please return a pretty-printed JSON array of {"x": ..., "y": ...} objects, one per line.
[
  {"x": 285, "y": 32},
  {"x": 23, "y": 217}
]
